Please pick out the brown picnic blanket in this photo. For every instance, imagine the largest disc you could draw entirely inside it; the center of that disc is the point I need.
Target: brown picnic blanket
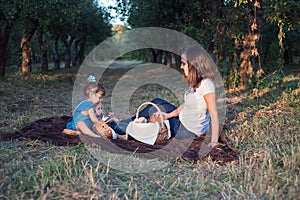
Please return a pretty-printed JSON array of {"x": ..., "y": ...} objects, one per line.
[{"x": 50, "y": 130}]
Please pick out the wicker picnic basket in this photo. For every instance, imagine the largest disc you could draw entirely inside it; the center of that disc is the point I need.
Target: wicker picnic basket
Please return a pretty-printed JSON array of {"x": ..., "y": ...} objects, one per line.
[
  {"x": 149, "y": 133},
  {"x": 102, "y": 129}
]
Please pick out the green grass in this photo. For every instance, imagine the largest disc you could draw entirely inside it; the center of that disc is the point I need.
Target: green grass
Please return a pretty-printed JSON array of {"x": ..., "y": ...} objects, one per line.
[{"x": 264, "y": 128}]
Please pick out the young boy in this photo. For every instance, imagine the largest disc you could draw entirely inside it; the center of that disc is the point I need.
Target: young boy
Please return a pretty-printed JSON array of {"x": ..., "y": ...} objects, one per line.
[{"x": 110, "y": 119}]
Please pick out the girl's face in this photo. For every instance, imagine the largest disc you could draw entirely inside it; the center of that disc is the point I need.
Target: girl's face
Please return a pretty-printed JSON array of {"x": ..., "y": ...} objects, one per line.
[
  {"x": 96, "y": 97},
  {"x": 184, "y": 65}
]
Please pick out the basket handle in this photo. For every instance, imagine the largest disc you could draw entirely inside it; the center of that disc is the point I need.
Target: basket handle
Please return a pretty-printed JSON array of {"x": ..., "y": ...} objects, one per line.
[{"x": 154, "y": 105}]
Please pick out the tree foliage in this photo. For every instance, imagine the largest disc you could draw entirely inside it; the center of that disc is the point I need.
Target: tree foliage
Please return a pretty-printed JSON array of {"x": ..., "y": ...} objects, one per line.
[
  {"x": 61, "y": 29},
  {"x": 242, "y": 35}
]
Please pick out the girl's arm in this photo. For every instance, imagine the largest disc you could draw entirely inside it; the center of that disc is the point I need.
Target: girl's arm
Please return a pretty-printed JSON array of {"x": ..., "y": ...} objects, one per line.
[
  {"x": 174, "y": 113},
  {"x": 211, "y": 103},
  {"x": 93, "y": 116}
]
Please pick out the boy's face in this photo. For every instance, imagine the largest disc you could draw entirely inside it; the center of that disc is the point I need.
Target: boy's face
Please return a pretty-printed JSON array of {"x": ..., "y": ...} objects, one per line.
[{"x": 99, "y": 110}]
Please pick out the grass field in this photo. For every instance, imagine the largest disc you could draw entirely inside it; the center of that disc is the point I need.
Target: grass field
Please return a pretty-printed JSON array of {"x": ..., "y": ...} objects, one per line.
[{"x": 263, "y": 126}]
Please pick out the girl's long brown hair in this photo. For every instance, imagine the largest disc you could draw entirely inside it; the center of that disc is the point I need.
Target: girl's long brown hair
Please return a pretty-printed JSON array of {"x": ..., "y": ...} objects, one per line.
[{"x": 200, "y": 64}]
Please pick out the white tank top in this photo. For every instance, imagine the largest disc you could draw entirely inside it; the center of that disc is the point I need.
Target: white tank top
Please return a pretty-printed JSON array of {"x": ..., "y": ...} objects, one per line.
[{"x": 194, "y": 115}]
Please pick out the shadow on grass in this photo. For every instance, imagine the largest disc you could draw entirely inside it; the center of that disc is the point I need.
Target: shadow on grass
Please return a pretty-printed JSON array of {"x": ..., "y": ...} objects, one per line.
[{"x": 245, "y": 104}]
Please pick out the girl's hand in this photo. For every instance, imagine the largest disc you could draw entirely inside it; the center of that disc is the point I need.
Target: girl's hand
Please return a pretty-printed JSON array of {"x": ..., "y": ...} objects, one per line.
[
  {"x": 155, "y": 117},
  {"x": 165, "y": 115}
]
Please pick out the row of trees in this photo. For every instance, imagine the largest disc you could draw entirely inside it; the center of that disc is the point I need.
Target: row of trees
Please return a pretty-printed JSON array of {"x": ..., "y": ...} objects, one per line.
[
  {"x": 243, "y": 35},
  {"x": 57, "y": 28}
]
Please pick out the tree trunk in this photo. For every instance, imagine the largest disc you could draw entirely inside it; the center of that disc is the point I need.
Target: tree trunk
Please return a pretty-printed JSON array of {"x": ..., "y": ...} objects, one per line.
[
  {"x": 177, "y": 61},
  {"x": 159, "y": 56},
  {"x": 152, "y": 56},
  {"x": 245, "y": 68},
  {"x": 168, "y": 59},
  {"x": 75, "y": 52},
  {"x": 156, "y": 56},
  {"x": 7, "y": 23},
  {"x": 256, "y": 28},
  {"x": 4, "y": 37},
  {"x": 27, "y": 51},
  {"x": 218, "y": 44},
  {"x": 80, "y": 56},
  {"x": 219, "y": 27},
  {"x": 56, "y": 56},
  {"x": 68, "y": 45},
  {"x": 280, "y": 42},
  {"x": 250, "y": 52},
  {"x": 235, "y": 56},
  {"x": 43, "y": 51}
]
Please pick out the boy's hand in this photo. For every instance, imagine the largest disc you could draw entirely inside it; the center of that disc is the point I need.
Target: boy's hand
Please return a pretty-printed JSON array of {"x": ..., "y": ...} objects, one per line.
[{"x": 111, "y": 115}]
